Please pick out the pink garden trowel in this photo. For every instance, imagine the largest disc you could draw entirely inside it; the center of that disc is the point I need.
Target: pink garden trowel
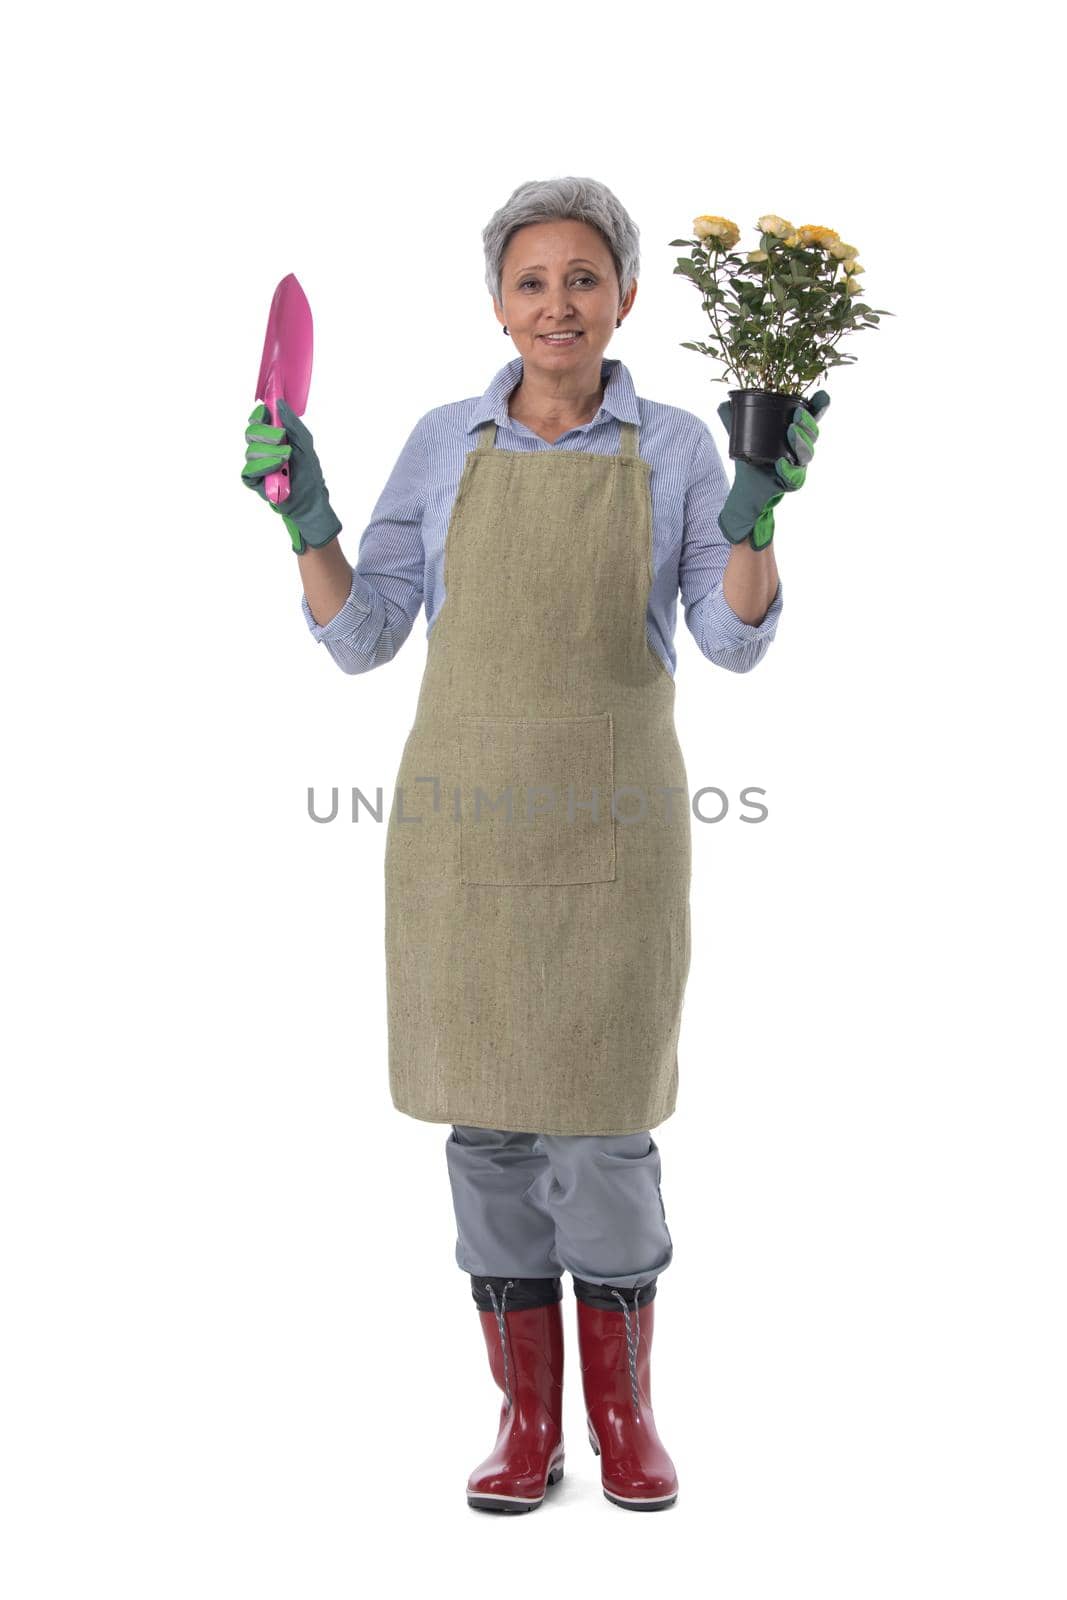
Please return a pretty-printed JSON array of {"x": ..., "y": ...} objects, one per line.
[{"x": 285, "y": 371}]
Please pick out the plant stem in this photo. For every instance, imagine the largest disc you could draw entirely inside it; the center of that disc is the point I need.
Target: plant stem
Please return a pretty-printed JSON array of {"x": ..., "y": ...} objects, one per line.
[
  {"x": 778, "y": 342},
  {"x": 767, "y": 270},
  {"x": 715, "y": 319}
]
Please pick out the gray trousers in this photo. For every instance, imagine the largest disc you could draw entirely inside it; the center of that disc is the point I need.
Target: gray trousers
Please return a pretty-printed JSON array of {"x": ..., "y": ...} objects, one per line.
[{"x": 533, "y": 1205}]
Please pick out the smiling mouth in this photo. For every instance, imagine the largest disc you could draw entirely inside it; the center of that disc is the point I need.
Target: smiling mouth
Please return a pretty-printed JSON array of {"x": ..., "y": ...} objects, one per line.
[{"x": 552, "y": 338}]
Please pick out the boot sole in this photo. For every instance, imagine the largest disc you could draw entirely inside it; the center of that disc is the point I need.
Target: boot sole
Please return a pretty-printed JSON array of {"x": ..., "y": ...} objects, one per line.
[
  {"x": 511, "y": 1502},
  {"x": 659, "y": 1504}
]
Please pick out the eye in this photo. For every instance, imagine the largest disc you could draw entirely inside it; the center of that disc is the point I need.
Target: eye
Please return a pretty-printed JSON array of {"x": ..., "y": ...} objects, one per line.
[{"x": 585, "y": 278}]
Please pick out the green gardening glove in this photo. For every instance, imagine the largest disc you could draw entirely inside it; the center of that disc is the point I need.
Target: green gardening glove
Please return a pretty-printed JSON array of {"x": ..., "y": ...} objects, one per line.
[
  {"x": 748, "y": 511},
  {"x": 307, "y": 513}
]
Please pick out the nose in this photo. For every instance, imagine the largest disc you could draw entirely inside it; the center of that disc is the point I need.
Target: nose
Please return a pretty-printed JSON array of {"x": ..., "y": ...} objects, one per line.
[{"x": 560, "y": 307}]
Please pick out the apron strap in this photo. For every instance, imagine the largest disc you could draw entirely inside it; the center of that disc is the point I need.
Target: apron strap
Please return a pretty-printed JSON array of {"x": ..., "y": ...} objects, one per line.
[{"x": 488, "y": 435}]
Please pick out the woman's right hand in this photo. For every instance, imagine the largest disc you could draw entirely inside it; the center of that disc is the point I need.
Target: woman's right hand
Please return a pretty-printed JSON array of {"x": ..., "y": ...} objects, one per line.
[{"x": 307, "y": 513}]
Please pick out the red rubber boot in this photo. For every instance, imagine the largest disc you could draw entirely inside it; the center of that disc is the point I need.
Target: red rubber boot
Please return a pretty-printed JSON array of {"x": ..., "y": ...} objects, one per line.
[
  {"x": 635, "y": 1470},
  {"x": 523, "y": 1330}
]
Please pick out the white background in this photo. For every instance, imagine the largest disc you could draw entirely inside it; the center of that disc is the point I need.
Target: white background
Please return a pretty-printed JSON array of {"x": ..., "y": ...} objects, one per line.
[{"x": 240, "y": 1359}]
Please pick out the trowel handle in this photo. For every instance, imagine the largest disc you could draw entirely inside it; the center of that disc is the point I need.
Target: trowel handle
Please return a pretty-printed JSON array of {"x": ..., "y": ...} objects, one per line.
[{"x": 276, "y": 484}]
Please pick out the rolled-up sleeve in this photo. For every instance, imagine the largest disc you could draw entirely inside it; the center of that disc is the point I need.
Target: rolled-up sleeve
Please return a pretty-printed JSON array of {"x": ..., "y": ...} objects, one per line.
[
  {"x": 387, "y": 580},
  {"x": 722, "y": 636}
]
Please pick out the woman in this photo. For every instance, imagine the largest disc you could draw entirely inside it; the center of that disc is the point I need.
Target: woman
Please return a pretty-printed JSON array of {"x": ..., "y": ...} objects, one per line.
[{"x": 538, "y": 852}]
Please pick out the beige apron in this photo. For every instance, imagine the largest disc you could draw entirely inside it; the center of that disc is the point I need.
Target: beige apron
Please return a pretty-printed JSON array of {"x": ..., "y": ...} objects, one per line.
[{"x": 536, "y": 964}]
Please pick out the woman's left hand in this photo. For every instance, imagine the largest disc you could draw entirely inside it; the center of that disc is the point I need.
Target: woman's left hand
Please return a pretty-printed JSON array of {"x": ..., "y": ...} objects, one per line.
[{"x": 748, "y": 511}]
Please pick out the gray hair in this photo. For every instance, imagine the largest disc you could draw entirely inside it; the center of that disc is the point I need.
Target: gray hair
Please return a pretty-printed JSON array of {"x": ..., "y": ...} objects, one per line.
[{"x": 577, "y": 199}]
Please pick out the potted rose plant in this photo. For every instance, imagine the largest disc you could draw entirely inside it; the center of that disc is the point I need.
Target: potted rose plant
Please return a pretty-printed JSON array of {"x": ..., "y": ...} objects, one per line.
[{"x": 777, "y": 314}]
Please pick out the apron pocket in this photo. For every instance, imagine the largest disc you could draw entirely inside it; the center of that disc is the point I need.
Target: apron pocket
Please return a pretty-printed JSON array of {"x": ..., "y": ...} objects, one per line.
[{"x": 535, "y": 798}]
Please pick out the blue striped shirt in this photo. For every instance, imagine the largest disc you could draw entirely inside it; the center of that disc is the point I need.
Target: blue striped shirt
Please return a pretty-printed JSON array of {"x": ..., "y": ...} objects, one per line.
[{"x": 402, "y": 549}]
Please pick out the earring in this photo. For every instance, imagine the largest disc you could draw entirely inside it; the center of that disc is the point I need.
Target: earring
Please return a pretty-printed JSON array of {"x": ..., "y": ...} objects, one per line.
[
  {"x": 505, "y": 327},
  {"x": 619, "y": 323}
]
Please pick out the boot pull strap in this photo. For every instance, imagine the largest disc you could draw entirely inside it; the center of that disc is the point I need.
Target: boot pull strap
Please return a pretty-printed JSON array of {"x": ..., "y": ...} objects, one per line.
[
  {"x": 500, "y": 1317},
  {"x": 632, "y": 1341}
]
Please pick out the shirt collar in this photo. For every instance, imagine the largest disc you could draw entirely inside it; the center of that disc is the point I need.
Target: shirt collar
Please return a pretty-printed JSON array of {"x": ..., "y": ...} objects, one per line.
[{"x": 620, "y": 397}]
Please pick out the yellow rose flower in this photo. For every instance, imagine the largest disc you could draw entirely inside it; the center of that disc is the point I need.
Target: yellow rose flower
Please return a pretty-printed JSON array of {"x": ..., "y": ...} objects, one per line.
[
  {"x": 853, "y": 266},
  {"x": 853, "y": 286},
  {"x": 792, "y": 241},
  {"x": 821, "y": 238},
  {"x": 757, "y": 255},
  {"x": 721, "y": 228},
  {"x": 776, "y": 225}
]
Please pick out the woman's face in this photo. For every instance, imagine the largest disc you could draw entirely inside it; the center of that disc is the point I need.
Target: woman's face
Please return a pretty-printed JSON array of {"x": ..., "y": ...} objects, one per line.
[{"x": 559, "y": 277}]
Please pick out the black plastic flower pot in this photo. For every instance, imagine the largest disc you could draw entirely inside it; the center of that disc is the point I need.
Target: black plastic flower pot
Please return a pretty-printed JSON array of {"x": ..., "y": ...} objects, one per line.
[{"x": 758, "y": 422}]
